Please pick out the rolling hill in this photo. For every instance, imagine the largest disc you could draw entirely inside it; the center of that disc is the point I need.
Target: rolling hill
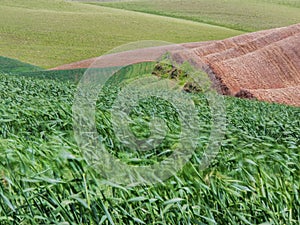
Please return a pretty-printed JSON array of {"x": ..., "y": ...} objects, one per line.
[
  {"x": 245, "y": 15},
  {"x": 263, "y": 65}
]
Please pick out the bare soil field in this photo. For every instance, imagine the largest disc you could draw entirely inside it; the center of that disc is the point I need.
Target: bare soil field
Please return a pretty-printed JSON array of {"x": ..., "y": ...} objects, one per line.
[{"x": 264, "y": 65}]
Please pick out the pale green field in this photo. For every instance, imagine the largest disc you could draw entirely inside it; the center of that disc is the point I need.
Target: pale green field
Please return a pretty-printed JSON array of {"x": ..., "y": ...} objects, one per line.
[
  {"x": 293, "y": 3},
  {"x": 49, "y": 33},
  {"x": 245, "y": 15}
]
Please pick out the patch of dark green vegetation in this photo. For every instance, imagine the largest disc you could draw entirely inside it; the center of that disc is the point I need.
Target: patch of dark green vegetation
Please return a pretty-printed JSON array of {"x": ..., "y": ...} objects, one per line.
[
  {"x": 17, "y": 68},
  {"x": 181, "y": 74},
  {"x": 8, "y": 65}
]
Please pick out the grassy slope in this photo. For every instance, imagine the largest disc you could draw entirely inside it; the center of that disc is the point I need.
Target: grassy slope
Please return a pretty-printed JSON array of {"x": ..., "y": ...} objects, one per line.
[
  {"x": 51, "y": 33},
  {"x": 9, "y": 65},
  {"x": 45, "y": 180},
  {"x": 250, "y": 15}
]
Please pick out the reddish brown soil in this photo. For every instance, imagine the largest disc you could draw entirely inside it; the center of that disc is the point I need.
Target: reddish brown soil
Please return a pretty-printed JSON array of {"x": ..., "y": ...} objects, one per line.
[
  {"x": 264, "y": 65},
  {"x": 289, "y": 95}
]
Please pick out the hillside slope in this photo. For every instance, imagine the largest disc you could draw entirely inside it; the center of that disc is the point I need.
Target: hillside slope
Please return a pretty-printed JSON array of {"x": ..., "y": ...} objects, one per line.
[
  {"x": 264, "y": 65},
  {"x": 49, "y": 33}
]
